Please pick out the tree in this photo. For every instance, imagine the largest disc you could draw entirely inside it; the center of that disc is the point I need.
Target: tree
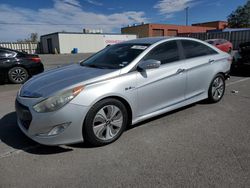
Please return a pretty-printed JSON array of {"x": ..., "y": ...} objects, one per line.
[
  {"x": 240, "y": 18},
  {"x": 33, "y": 37}
]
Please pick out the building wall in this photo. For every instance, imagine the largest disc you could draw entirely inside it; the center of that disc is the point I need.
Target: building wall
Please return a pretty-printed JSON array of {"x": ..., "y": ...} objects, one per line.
[
  {"x": 85, "y": 43},
  {"x": 173, "y": 30},
  {"x": 139, "y": 30},
  {"x": 219, "y": 25},
  {"x": 89, "y": 43},
  {"x": 151, "y": 30},
  {"x": 54, "y": 40},
  {"x": 113, "y": 39}
]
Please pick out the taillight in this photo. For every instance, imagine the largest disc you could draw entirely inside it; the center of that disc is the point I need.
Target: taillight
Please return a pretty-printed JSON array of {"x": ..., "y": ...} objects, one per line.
[
  {"x": 229, "y": 60},
  {"x": 35, "y": 59}
]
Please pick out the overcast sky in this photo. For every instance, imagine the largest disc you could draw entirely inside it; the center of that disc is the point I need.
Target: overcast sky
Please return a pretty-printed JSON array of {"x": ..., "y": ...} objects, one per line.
[{"x": 19, "y": 18}]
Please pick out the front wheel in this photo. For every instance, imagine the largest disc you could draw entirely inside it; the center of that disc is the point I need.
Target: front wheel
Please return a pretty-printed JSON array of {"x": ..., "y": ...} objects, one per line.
[
  {"x": 105, "y": 122},
  {"x": 216, "y": 89}
]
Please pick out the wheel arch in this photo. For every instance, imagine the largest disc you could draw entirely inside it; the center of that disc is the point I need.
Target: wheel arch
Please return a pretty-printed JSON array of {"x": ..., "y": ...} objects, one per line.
[
  {"x": 125, "y": 102},
  {"x": 223, "y": 74}
]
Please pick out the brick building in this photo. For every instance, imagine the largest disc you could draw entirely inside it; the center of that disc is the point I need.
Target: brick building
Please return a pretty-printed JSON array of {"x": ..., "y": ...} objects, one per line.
[
  {"x": 150, "y": 30},
  {"x": 219, "y": 25}
]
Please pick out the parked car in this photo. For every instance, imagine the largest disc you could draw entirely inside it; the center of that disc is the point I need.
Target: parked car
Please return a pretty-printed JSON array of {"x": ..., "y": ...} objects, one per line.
[
  {"x": 222, "y": 44},
  {"x": 17, "y": 67},
  {"x": 242, "y": 59},
  {"x": 123, "y": 84}
]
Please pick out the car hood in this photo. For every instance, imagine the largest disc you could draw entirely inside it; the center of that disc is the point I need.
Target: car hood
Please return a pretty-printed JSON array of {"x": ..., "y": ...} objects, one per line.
[{"x": 49, "y": 82}]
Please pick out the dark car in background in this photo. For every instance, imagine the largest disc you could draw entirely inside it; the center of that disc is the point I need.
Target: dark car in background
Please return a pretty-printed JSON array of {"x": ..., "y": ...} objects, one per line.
[
  {"x": 244, "y": 52},
  {"x": 222, "y": 44},
  {"x": 17, "y": 67},
  {"x": 242, "y": 57}
]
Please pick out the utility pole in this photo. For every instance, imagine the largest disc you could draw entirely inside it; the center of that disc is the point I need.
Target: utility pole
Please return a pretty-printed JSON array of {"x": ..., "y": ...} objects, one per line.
[{"x": 187, "y": 16}]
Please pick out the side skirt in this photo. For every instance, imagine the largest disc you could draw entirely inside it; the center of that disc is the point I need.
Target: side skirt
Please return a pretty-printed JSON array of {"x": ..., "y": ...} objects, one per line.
[{"x": 196, "y": 98}]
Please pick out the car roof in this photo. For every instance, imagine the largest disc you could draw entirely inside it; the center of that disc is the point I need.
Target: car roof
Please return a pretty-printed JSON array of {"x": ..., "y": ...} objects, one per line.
[
  {"x": 212, "y": 39},
  {"x": 148, "y": 40},
  {"x": 215, "y": 39},
  {"x": 8, "y": 49},
  {"x": 153, "y": 40}
]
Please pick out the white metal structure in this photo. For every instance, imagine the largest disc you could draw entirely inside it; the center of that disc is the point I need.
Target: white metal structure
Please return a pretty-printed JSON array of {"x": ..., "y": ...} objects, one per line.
[{"x": 65, "y": 42}]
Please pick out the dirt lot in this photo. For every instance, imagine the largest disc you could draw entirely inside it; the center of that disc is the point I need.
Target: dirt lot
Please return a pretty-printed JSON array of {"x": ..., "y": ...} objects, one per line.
[{"x": 202, "y": 145}]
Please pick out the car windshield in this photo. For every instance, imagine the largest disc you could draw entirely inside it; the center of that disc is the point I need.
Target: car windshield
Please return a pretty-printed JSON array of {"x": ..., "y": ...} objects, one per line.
[{"x": 115, "y": 56}]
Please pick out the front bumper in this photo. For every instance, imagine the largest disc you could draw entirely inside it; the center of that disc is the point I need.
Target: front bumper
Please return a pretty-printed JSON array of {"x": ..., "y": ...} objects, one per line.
[{"x": 42, "y": 123}]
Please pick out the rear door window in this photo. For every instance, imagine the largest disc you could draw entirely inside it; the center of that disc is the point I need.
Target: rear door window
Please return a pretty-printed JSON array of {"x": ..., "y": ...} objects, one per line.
[{"x": 194, "y": 49}]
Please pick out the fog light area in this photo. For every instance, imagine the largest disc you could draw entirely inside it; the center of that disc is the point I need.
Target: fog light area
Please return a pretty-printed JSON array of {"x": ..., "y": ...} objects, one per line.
[{"x": 56, "y": 130}]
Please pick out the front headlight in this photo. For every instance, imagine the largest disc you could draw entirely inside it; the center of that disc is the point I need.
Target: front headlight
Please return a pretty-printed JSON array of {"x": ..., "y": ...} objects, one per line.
[{"x": 58, "y": 101}]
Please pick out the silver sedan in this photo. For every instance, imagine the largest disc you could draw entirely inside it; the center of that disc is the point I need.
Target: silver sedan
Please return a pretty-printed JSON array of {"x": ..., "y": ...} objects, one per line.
[{"x": 121, "y": 85}]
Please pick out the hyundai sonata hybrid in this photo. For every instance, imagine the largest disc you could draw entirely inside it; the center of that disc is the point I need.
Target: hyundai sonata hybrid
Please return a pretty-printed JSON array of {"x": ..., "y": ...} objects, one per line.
[{"x": 123, "y": 84}]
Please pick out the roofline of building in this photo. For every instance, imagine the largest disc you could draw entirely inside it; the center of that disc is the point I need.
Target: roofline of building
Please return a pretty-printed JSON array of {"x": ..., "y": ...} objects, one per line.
[
  {"x": 177, "y": 25},
  {"x": 64, "y": 32},
  {"x": 171, "y": 25},
  {"x": 210, "y": 22},
  {"x": 136, "y": 25}
]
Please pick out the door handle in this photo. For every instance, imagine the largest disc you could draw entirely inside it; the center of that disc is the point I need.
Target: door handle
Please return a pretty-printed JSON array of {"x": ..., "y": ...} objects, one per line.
[
  {"x": 180, "y": 71},
  {"x": 211, "y": 61}
]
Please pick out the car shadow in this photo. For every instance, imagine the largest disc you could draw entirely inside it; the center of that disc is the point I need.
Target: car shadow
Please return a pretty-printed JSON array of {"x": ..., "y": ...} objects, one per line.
[{"x": 12, "y": 136}]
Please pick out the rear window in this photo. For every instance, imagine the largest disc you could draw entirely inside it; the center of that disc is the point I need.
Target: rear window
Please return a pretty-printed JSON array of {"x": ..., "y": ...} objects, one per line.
[{"x": 6, "y": 54}]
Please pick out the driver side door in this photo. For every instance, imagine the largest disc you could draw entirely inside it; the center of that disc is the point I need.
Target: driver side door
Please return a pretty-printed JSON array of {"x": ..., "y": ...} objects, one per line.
[{"x": 162, "y": 87}]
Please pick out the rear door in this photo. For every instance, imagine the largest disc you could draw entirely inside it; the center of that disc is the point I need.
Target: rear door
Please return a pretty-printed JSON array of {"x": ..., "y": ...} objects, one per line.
[
  {"x": 198, "y": 66},
  {"x": 6, "y": 61},
  {"x": 6, "y": 56},
  {"x": 164, "y": 86}
]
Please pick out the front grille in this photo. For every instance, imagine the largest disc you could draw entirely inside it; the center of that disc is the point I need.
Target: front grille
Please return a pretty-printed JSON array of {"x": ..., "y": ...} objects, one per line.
[{"x": 23, "y": 114}]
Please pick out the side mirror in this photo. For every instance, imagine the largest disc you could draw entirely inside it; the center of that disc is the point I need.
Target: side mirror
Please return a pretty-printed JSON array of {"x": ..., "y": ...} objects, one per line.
[{"x": 149, "y": 64}]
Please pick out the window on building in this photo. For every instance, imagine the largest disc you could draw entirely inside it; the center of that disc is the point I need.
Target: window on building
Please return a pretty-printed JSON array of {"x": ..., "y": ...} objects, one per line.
[{"x": 158, "y": 32}]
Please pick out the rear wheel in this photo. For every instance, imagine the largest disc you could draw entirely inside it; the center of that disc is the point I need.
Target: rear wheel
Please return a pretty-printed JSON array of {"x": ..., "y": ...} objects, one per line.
[
  {"x": 18, "y": 75},
  {"x": 105, "y": 122},
  {"x": 216, "y": 89}
]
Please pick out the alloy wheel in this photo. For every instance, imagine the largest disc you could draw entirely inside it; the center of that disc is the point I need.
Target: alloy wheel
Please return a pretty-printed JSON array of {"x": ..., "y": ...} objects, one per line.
[
  {"x": 218, "y": 88},
  {"x": 18, "y": 75},
  {"x": 107, "y": 122}
]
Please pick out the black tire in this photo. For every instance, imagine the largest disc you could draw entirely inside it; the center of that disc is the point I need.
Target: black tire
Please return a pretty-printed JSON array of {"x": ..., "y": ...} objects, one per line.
[
  {"x": 88, "y": 127},
  {"x": 211, "y": 94},
  {"x": 18, "y": 75}
]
